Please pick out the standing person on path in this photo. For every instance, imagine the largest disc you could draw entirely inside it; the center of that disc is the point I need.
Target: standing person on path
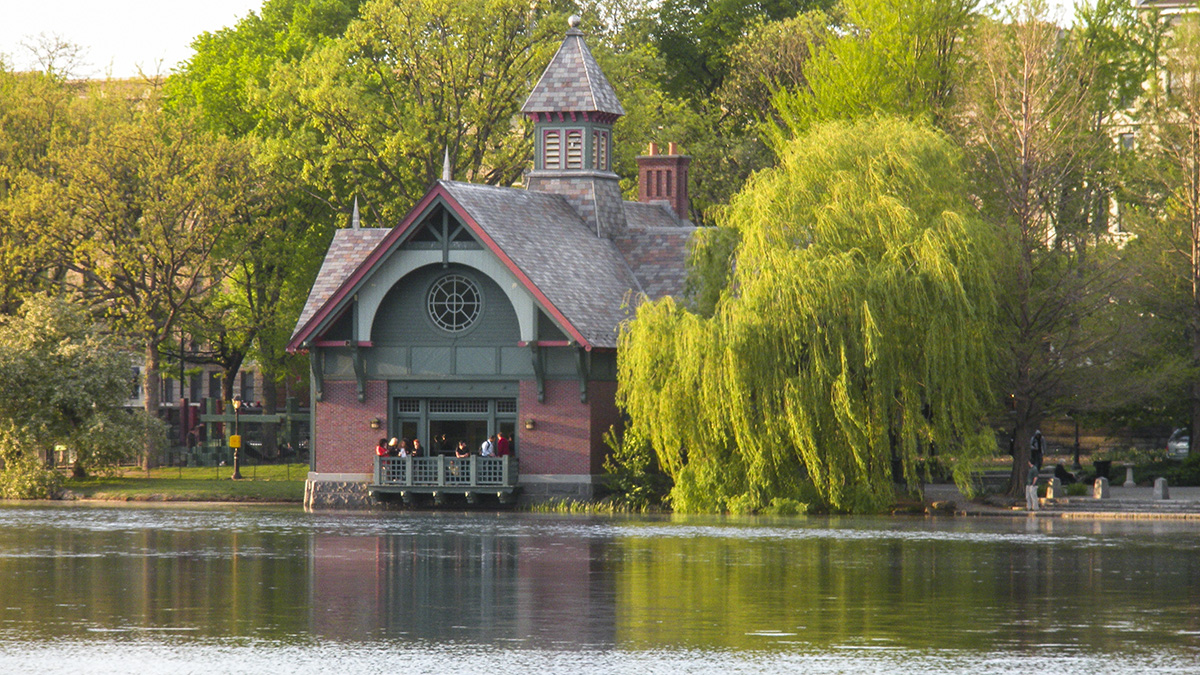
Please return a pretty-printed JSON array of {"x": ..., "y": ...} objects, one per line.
[{"x": 1037, "y": 447}]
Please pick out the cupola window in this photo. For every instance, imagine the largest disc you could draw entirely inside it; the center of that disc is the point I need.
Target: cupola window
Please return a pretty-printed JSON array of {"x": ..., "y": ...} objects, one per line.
[
  {"x": 552, "y": 149},
  {"x": 575, "y": 149}
]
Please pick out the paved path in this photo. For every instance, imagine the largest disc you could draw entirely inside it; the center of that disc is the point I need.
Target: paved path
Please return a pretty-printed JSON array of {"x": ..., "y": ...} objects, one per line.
[{"x": 1127, "y": 503}]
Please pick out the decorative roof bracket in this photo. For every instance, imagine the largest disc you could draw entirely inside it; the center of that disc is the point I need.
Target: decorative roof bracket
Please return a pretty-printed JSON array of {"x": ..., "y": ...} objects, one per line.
[
  {"x": 316, "y": 366},
  {"x": 539, "y": 370},
  {"x": 583, "y": 365}
]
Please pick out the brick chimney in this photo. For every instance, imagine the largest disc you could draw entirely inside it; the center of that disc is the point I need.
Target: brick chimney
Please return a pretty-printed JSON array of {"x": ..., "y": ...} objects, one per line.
[{"x": 663, "y": 179}]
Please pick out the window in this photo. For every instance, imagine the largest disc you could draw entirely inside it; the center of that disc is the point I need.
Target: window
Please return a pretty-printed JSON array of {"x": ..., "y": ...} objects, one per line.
[
  {"x": 668, "y": 182},
  {"x": 454, "y": 303},
  {"x": 552, "y": 150},
  {"x": 214, "y": 385},
  {"x": 600, "y": 150},
  {"x": 247, "y": 386},
  {"x": 575, "y": 149}
]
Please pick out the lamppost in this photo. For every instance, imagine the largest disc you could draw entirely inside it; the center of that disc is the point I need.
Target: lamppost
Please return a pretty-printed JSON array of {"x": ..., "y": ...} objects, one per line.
[{"x": 236, "y": 439}]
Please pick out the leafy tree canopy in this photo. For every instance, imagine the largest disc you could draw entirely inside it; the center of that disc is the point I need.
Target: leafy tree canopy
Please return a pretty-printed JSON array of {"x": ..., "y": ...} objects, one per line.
[
  {"x": 63, "y": 380},
  {"x": 855, "y": 331}
]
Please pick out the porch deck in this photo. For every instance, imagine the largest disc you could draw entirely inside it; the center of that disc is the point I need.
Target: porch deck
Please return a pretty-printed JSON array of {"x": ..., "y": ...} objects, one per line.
[{"x": 469, "y": 476}]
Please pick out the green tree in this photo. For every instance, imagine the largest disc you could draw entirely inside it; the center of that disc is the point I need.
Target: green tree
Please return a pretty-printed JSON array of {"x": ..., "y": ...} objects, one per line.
[
  {"x": 227, "y": 85},
  {"x": 899, "y": 58},
  {"x": 695, "y": 37},
  {"x": 63, "y": 379},
  {"x": 1033, "y": 126},
  {"x": 854, "y": 333},
  {"x": 38, "y": 113},
  {"x": 142, "y": 215},
  {"x": 1167, "y": 222},
  {"x": 371, "y": 114}
]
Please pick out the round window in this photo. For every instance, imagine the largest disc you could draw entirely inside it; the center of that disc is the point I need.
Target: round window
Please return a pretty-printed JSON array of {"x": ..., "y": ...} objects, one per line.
[{"x": 454, "y": 303}]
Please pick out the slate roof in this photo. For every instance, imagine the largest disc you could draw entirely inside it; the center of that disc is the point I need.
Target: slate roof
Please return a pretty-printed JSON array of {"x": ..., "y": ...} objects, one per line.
[
  {"x": 573, "y": 82},
  {"x": 582, "y": 275},
  {"x": 655, "y": 246},
  {"x": 347, "y": 251}
]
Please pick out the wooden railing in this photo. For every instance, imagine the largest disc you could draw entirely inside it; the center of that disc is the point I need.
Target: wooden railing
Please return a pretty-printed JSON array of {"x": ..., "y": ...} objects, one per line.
[{"x": 452, "y": 472}]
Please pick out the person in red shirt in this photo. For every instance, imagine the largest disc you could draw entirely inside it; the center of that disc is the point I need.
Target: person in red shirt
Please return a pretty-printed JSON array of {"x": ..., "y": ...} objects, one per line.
[
  {"x": 503, "y": 445},
  {"x": 381, "y": 449}
]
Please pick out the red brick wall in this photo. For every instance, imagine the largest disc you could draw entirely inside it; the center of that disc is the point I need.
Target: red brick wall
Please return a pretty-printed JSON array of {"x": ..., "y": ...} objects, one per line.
[
  {"x": 603, "y": 398},
  {"x": 560, "y": 442},
  {"x": 345, "y": 441}
]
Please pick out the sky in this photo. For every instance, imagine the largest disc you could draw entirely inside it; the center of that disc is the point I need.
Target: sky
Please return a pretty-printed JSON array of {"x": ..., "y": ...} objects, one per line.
[{"x": 117, "y": 36}]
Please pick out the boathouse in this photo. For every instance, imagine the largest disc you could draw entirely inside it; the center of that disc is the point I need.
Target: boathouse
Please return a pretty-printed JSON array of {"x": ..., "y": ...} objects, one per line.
[{"x": 493, "y": 309}]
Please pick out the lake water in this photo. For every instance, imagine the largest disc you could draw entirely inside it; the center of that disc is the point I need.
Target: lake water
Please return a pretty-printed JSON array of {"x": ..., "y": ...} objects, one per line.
[{"x": 168, "y": 589}]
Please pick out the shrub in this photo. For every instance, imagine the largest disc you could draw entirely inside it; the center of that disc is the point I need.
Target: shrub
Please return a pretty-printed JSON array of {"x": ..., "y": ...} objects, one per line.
[{"x": 634, "y": 477}]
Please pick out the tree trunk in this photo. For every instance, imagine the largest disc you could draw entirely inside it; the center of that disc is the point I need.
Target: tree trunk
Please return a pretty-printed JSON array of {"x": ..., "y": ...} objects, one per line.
[{"x": 150, "y": 389}]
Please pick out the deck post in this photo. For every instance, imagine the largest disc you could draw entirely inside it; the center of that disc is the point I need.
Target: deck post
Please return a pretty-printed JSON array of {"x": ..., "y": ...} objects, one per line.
[
  {"x": 473, "y": 481},
  {"x": 441, "y": 470},
  {"x": 378, "y": 470}
]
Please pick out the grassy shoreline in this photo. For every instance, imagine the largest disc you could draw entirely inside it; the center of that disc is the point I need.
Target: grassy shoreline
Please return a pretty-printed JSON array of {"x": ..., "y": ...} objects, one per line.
[{"x": 268, "y": 483}]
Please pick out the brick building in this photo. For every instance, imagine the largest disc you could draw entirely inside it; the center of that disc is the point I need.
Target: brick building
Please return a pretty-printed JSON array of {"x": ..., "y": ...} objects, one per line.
[{"x": 494, "y": 309}]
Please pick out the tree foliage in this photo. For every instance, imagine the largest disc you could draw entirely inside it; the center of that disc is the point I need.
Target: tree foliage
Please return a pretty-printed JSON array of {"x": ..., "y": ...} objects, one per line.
[
  {"x": 1040, "y": 166},
  {"x": 372, "y": 113},
  {"x": 852, "y": 334},
  {"x": 1166, "y": 221},
  {"x": 63, "y": 380},
  {"x": 142, "y": 215},
  {"x": 898, "y": 58}
]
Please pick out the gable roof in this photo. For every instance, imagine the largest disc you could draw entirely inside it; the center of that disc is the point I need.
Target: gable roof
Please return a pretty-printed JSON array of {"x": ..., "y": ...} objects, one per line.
[
  {"x": 573, "y": 82},
  {"x": 581, "y": 275},
  {"x": 346, "y": 252},
  {"x": 580, "y": 280},
  {"x": 655, "y": 245}
]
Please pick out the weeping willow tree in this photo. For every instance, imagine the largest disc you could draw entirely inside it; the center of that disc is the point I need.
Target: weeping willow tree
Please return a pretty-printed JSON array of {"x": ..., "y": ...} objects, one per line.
[{"x": 853, "y": 336}]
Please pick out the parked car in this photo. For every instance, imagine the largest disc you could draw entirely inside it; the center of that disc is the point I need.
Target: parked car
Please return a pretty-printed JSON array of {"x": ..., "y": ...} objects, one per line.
[{"x": 1178, "y": 444}]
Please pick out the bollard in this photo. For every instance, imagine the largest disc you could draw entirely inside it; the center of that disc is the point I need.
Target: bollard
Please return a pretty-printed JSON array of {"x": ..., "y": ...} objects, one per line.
[
  {"x": 1129, "y": 477},
  {"x": 1054, "y": 489},
  {"x": 1160, "y": 489},
  {"x": 1100, "y": 488}
]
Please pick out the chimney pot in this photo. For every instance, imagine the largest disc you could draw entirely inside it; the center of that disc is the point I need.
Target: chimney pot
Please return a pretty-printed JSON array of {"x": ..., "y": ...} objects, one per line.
[
  {"x": 653, "y": 149},
  {"x": 672, "y": 149}
]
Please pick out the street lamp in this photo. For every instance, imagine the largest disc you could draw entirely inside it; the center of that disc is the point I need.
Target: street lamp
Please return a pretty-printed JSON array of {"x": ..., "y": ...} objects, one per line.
[{"x": 236, "y": 440}]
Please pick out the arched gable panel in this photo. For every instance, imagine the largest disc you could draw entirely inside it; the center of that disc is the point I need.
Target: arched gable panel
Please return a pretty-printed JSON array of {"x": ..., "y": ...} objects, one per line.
[{"x": 404, "y": 316}]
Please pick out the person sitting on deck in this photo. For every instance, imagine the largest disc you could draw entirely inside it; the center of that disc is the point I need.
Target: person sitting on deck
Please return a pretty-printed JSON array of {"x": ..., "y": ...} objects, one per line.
[
  {"x": 461, "y": 450},
  {"x": 393, "y": 447},
  {"x": 416, "y": 448},
  {"x": 404, "y": 451}
]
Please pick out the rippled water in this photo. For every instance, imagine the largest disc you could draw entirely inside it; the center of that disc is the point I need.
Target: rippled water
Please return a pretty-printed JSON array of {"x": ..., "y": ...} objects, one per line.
[{"x": 106, "y": 589}]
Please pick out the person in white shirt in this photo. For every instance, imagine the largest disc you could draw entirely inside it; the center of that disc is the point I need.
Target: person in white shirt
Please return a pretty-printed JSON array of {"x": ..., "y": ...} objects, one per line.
[{"x": 488, "y": 449}]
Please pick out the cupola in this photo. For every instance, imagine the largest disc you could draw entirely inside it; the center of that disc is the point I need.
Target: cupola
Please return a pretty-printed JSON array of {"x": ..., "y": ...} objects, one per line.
[{"x": 573, "y": 108}]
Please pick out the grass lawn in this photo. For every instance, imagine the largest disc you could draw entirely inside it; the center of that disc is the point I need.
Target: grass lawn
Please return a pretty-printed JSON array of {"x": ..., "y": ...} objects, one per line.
[{"x": 271, "y": 483}]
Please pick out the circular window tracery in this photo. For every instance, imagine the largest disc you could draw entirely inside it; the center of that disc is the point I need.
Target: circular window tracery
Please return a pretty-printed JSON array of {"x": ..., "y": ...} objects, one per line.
[{"x": 454, "y": 303}]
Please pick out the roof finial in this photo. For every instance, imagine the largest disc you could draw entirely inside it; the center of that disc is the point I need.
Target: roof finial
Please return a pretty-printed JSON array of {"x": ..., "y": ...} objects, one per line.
[
  {"x": 354, "y": 217},
  {"x": 446, "y": 174},
  {"x": 574, "y": 20}
]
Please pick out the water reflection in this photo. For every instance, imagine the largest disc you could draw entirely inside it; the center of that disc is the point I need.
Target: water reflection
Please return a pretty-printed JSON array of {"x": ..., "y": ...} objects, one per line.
[{"x": 867, "y": 590}]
